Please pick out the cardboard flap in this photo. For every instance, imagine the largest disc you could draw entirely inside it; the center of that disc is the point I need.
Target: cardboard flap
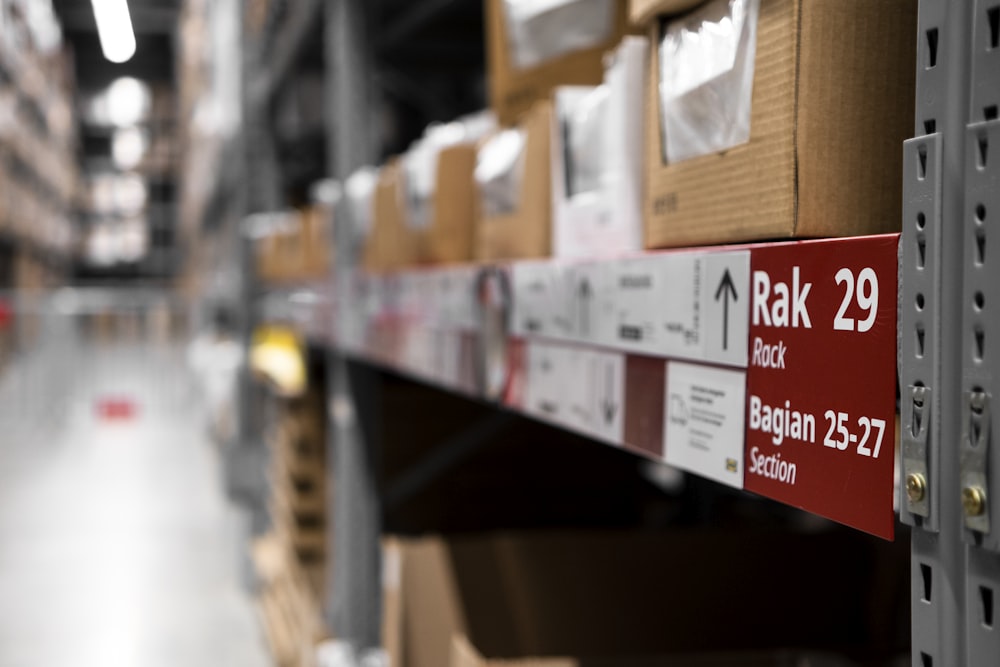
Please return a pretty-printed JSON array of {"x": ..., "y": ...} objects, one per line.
[
  {"x": 391, "y": 243},
  {"x": 463, "y": 654},
  {"x": 525, "y": 233},
  {"x": 451, "y": 236},
  {"x": 513, "y": 91},
  {"x": 641, "y": 13}
]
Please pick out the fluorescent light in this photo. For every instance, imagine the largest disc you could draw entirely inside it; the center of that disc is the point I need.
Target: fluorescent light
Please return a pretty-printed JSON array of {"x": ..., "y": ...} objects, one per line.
[
  {"x": 114, "y": 27},
  {"x": 128, "y": 145},
  {"x": 128, "y": 101}
]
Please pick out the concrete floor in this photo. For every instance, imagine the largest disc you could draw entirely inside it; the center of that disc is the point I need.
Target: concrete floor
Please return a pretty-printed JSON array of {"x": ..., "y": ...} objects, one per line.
[{"x": 117, "y": 545}]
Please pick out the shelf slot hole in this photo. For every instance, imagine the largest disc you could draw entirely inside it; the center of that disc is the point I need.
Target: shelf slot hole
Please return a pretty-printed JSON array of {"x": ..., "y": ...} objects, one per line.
[
  {"x": 920, "y": 302},
  {"x": 986, "y": 603},
  {"x": 930, "y": 126},
  {"x": 980, "y": 246},
  {"x": 983, "y": 153},
  {"x": 976, "y": 419},
  {"x": 980, "y": 213},
  {"x": 926, "y": 660},
  {"x": 921, "y": 253},
  {"x": 917, "y": 411},
  {"x": 925, "y": 577},
  {"x": 920, "y": 341},
  {"x": 993, "y": 18},
  {"x": 932, "y": 47},
  {"x": 921, "y": 162},
  {"x": 990, "y": 112},
  {"x": 979, "y": 340}
]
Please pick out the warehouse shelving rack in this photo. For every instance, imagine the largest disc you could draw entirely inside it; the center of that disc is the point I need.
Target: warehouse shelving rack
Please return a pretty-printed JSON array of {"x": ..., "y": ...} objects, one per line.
[{"x": 946, "y": 374}]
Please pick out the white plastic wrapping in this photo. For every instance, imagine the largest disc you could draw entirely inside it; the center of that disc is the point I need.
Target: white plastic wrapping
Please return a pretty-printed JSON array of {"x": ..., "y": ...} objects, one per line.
[
  {"x": 706, "y": 64},
  {"x": 359, "y": 192},
  {"x": 420, "y": 162},
  {"x": 597, "y": 158},
  {"x": 500, "y": 171},
  {"x": 540, "y": 30},
  {"x": 585, "y": 127}
]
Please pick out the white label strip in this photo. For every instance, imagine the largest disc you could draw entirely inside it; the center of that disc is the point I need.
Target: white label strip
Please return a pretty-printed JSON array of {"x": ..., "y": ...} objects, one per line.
[
  {"x": 576, "y": 387},
  {"x": 704, "y": 421},
  {"x": 537, "y": 298},
  {"x": 465, "y": 304},
  {"x": 725, "y": 307},
  {"x": 596, "y": 393},
  {"x": 589, "y": 310},
  {"x": 634, "y": 292},
  {"x": 544, "y": 395}
]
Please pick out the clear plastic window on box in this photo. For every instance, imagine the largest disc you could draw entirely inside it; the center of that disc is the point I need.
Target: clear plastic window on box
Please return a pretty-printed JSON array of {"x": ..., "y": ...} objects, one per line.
[
  {"x": 583, "y": 121},
  {"x": 706, "y": 63},
  {"x": 500, "y": 171},
  {"x": 541, "y": 30}
]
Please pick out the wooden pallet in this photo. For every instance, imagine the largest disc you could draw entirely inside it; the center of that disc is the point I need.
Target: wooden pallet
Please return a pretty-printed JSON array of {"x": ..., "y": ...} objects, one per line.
[
  {"x": 288, "y": 606},
  {"x": 304, "y": 534}
]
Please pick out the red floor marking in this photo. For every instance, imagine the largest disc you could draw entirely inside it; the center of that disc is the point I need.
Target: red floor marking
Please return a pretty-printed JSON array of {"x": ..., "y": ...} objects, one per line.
[{"x": 116, "y": 408}]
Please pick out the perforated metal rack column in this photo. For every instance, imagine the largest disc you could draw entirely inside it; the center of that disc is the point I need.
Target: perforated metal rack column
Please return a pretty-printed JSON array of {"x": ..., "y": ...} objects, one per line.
[
  {"x": 945, "y": 402},
  {"x": 353, "y": 598},
  {"x": 256, "y": 188},
  {"x": 980, "y": 467}
]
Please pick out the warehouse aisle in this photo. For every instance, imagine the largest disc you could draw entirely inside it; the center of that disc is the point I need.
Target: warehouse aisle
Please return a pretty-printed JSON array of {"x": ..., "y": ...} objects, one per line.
[{"x": 117, "y": 547}]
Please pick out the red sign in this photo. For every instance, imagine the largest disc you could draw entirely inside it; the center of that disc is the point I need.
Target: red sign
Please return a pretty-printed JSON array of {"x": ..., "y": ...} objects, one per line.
[{"x": 821, "y": 381}]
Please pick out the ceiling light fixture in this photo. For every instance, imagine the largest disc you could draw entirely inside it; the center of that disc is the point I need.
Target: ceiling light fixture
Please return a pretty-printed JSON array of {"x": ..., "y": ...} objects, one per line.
[{"x": 114, "y": 27}]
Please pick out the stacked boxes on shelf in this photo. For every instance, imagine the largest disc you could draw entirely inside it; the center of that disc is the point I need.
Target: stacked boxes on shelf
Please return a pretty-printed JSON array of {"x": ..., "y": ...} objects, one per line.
[
  {"x": 291, "y": 560},
  {"x": 297, "y": 249},
  {"x": 209, "y": 61},
  {"x": 548, "y": 598},
  {"x": 748, "y": 120},
  {"x": 38, "y": 167},
  {"x": 797, "y": 134}
]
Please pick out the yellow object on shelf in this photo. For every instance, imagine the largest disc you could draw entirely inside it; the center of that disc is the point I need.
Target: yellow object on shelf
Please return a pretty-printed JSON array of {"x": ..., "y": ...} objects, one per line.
[{"x": 278, "y": 355}]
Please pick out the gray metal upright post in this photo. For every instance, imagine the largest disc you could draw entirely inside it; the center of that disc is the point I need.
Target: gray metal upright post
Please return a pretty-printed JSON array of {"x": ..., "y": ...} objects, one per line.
[
  {"x": 930, "y": 333},
  {"x": 258, "y": 190},
  {"x": 980, "y": 466},
  {"x": 353, "y": 600}
]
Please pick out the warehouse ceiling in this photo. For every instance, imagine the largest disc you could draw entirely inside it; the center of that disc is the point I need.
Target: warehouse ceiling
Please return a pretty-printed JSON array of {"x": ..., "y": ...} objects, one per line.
[{"x": 154, "y": 23}]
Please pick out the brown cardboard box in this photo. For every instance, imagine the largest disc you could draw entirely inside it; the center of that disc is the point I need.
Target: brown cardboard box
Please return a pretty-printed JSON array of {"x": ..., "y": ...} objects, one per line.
[
  {"x": 464, "y": 654},
  {"x": 392, "y": 607},
  {"x": 642, "y": 12},
  {"x": 392, "y": 245},
  {"x": 452, "y": 232},
  {"x": 317, "y": 239},
  {"x": 525, "y": 233},
  {"x": 267, "y": 260},
  {"x": 832, "y": 104},
  {"x": 290, "y": 251},
  {"x": 514, "y": 91},
  {"x": 609, "y": 593}
]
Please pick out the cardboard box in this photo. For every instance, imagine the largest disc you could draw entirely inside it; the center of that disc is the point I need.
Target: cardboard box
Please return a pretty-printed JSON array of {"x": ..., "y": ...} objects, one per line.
[
  {"x": 513, "y": 91},
  {"x": 392, "y": 244},
  {"x": 643, "y": 12},
  {"x": 611, "y": 593},
  {"x": 451, "y": 236},
  {"x": 526, "y": 232},
  {"x": 606, "y": 217},
  {"x": 832, "y": 103},
  {"x": 317, "y": 232},
  {"x": 464, "y": 654}
]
